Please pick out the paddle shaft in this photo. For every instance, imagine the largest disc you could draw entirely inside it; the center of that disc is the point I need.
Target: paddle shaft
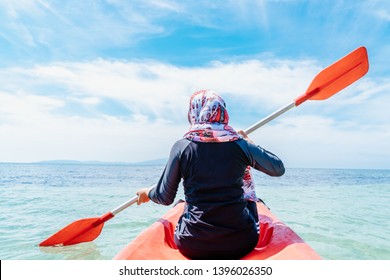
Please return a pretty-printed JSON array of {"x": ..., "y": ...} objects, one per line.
[
  {"x": 123, "y": 206},
  {"x": 282, "y": 110},
  {"x": 128, "y": 203},
  {"x": 270, "y": 117}
]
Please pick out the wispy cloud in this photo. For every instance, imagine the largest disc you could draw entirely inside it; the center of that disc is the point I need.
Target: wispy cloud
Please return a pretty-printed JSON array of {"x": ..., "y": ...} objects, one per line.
[
  {"x": 186, "y": 31},
  {"x": 67, "y": 27}
]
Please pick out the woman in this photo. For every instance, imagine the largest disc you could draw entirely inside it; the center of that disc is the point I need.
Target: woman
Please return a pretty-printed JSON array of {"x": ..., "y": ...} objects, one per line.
[{"x": 220, "y": 219}]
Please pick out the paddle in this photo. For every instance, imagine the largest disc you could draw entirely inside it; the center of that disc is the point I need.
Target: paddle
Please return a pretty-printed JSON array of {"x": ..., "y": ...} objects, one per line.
[{"x": 328, "y": 82}]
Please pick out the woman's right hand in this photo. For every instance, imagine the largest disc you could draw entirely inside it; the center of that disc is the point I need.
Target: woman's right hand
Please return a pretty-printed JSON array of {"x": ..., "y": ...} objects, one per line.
[{"x": 143, "y": 195}]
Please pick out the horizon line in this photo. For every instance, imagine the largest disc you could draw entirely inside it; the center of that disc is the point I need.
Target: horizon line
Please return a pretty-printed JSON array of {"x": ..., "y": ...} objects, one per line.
[{"x": 160, "y": 162}]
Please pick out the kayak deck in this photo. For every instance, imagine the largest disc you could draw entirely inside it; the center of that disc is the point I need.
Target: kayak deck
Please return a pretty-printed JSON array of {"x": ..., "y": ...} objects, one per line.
[{"x": 276, "y": 241}]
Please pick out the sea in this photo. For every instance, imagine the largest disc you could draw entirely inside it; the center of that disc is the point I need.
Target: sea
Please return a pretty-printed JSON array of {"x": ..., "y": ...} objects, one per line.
[{"x": 343, "y": 214}]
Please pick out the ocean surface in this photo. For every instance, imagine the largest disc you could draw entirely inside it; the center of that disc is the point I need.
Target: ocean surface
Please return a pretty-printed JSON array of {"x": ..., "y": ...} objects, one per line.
[{"x": 343, "y": 214}]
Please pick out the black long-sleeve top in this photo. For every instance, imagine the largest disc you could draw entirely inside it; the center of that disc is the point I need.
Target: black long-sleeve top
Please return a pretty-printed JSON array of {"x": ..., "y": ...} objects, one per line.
[{"x": 215, "y": 216}]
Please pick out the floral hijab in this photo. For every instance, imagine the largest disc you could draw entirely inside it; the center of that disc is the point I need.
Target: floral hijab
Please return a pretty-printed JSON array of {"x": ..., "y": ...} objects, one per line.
[{"x": 209, "y": 119}]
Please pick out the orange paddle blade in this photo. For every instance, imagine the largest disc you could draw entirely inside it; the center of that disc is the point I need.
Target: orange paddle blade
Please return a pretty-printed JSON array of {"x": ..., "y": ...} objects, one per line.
[
  {"x": 337, "y": 76},
  {"x": 83, "y": 230}
]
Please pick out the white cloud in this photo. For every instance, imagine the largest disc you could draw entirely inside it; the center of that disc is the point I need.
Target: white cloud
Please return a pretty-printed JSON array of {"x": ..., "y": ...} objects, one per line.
[
  {"x": 54, "y": 111},
  {"x": 154, "y": 86},
  {"x": 25, "y": 108},
  {"x": 383, "y": 14}
]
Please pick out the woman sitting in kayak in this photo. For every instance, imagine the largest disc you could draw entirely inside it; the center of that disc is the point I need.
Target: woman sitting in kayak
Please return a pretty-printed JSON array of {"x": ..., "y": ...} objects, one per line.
[{"x": 220, "y": 219}]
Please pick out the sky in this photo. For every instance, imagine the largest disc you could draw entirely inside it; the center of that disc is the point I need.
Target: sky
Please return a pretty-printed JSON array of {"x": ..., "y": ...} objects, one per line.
[{"x": 110, "y": 80}]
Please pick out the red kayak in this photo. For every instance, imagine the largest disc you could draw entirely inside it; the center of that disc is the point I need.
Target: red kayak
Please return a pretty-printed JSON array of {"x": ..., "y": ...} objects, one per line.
[{"x": 277, "y": 241}]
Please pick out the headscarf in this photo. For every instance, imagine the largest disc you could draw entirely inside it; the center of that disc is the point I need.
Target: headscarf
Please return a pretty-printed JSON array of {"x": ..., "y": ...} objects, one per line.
[{"x": 209, "y": 120}]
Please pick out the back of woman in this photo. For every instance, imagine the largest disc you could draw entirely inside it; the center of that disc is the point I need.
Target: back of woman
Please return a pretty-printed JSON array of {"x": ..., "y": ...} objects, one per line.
[{"x": 216, "y": 222}]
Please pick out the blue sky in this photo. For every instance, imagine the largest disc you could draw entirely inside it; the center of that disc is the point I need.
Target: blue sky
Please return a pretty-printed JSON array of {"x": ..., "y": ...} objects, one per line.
[{"x": 110, "y": 80}]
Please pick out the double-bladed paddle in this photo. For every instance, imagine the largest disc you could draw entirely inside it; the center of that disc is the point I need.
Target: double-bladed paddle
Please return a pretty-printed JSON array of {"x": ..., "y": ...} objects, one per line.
[{"x": 327, "y": 83}]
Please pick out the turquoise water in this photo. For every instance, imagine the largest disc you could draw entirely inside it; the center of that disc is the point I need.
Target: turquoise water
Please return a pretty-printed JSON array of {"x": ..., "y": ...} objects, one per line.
[{"x": 342, "y": 214}]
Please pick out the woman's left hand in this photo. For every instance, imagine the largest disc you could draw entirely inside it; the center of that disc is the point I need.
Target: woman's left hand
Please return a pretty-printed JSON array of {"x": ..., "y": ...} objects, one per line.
[{"x": 245, "y": 136}]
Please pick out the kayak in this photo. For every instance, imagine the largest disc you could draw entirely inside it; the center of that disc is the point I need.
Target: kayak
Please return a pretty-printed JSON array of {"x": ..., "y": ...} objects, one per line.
[{"x": 277, "y": 241}]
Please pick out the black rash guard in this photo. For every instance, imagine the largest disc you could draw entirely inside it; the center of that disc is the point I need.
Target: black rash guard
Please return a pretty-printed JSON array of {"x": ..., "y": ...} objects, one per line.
[{"x": 216, "y": 220}]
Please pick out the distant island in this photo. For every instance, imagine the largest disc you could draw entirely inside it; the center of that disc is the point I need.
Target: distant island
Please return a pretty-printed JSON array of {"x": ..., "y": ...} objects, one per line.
[{"x": 95, "y": 162}]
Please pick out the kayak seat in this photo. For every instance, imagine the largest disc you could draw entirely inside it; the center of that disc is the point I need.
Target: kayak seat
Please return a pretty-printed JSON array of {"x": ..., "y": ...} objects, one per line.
[
  {"x": 266, "y": 232},
  {"x": 168, "y": 233},
  {"x": 267, "y": 227}
]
